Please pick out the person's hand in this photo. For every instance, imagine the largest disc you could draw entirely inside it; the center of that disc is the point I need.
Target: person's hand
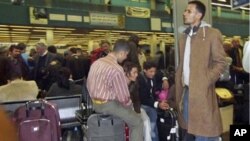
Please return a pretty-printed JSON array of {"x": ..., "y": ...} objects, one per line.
[
  {"x": 129, "y": 103},
  {"x": 238, "y": 69},
  {"x": 163, "y": 105}
]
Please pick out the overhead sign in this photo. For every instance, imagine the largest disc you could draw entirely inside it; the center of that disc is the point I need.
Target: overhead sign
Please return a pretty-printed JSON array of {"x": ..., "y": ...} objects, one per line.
[
  {"x": 102, "y": 19},
  {"x": 138, "y": 12},
  {"x": 239, "y": 3},
  {"x": 38, "y": 15}
]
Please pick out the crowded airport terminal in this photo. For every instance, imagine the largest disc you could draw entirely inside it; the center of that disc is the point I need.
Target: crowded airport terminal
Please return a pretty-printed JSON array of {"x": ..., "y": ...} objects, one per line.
[{"x": 124, "y": 70}]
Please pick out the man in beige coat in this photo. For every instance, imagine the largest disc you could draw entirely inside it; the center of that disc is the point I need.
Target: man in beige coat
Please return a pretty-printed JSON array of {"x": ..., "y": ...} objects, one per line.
[
  {"x": 201, "y": 61},
  {"x": 18, "y": 90}
]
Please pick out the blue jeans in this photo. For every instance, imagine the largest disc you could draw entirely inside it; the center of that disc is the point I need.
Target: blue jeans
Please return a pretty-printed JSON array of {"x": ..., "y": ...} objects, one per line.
[
  {"x": 152, "y": 114},
  {"x": 185, "y": 116}
]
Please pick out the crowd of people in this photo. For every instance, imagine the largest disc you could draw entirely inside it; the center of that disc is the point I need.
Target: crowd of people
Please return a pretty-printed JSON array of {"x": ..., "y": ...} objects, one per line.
[{"x": 123, "y": 83}]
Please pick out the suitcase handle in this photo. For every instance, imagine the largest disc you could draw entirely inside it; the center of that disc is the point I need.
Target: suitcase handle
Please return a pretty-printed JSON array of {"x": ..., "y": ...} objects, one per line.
[
  {"x": 104, "y": 117},
  {"x": 34, "y": 105}
]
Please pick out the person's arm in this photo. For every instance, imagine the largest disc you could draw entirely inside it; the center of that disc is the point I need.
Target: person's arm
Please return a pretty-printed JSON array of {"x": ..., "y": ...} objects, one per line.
[
  {"x": 171, "y": 97},
  {"x": 52, "y": 91},
  {"x": 218, "y": 57},
  {"x": 120, "y": 88},
  {"x": 246, "y": 57},
  {"x": 144, "y": 94}
]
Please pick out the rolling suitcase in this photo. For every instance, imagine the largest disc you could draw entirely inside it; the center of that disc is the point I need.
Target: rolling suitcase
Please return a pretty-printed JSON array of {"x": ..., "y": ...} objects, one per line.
[
  {"x": 168, "y": 128},
  {"x": 102, "y": 127},
  {"x": 38, "y": 121}
]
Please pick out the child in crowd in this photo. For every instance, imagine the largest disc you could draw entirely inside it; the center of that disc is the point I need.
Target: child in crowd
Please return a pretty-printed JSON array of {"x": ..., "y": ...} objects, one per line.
[{"x": 163, "y": 93}]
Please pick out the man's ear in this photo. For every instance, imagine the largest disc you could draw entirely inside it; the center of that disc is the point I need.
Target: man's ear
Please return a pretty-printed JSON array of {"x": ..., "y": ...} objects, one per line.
[{"x": 199, "y": 15}]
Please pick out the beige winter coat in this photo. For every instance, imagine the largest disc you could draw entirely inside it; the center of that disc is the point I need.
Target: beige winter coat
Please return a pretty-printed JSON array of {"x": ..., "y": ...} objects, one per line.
[
  {"x": 18, "y": 90},
  {"x": 207, "y": 62}
]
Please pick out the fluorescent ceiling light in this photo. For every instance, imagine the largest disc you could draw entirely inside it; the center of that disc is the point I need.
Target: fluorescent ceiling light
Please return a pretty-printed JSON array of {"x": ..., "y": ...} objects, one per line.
[
  {"x": 37, "y": 30},
  {"x": 18, "y": 29},
  {"x": 147, "y": 32},
  {"x": 99, "y": 30},
  {"x": 62, "y": 34},
  {"x": 57, "y": 31},
  {"x": 34, "y": 37},
  {"x": 119, "y": 31},
  {"x": 96, "y": 32},
  {"x": 20, "y": 26},
  {"x": 20, "y": 37},
  {"x": 4, "y": 36},
  {"x": 65, "y": 29},
  {"x": 114, "y": 33},
  {"x": 77, "y": 34},
  {"x": 49, "y": 28},
  {"x": 3, "y": 25},
  {"x": 4, "y": 31},
  {"x": 24, "y": 32},
  {"x": 4, "y": 28}
]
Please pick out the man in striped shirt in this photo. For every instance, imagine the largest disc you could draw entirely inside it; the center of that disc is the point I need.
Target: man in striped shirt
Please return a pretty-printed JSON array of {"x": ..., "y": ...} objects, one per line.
[{"x": 108, "y": 89}]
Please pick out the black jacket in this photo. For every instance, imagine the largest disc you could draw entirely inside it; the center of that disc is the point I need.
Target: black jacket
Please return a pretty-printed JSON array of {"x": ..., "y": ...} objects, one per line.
[{"x": 147, "y": 97}]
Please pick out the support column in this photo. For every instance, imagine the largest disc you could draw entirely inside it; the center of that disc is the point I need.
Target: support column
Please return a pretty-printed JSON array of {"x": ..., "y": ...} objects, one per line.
[
  {"x": 178, "y": 8},
  {"x": 107, "y": 36},
  {"x": 153, "y": 45},
  {"x": 218, "y": 11},
  {"x": 152, "y": 4},
  {"x": 163, "y": 49},
  {"x": 243, "y": 13},
  {"x": 49, "y": 37},
  {"x": 90, "y": 46}
]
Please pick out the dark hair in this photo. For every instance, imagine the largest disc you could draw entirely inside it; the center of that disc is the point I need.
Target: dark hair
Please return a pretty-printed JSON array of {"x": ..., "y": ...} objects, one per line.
[
  {"x": 134, "y": 38},
  {"x": 63, "y": 78},
  {"x": 128, "y": 66},
  {"x": 200, "y": 7},
  {"x": 121, "y": 45},
  {"x": 12, "y": 47},
  {"x": 149, "y": 64},
  {"x": 104, "y": 42},
  {"x": 14, "y": 76},
  {"x": 73, "y": 50},
  {"x": 32, "y": 52},
  {"x": 21, "y": 46},
  {"x": 52, "y": 49}
]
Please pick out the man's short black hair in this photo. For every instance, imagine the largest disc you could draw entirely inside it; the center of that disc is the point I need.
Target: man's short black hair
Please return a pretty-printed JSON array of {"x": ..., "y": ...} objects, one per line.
[
  {"x": 21, "y": 46},
  {"x": 12, "y": 47},
  {"x": 200, "y": 7},
  {"x": 121, "y": 45},
  {"x": 149, "y": 64},
  {"x": 52, "y": 49}
]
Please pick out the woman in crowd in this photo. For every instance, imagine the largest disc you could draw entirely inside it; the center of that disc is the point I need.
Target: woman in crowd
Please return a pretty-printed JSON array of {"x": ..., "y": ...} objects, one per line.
[
  {"x": 131, "y": 72},
  {"x": 64, "y": 86}
]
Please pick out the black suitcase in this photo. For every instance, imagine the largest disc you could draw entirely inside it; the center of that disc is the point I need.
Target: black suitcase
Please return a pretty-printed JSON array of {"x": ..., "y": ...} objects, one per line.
[
  {"x": 102, "y": 127},
  {"x": 167, "y": 124}
]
